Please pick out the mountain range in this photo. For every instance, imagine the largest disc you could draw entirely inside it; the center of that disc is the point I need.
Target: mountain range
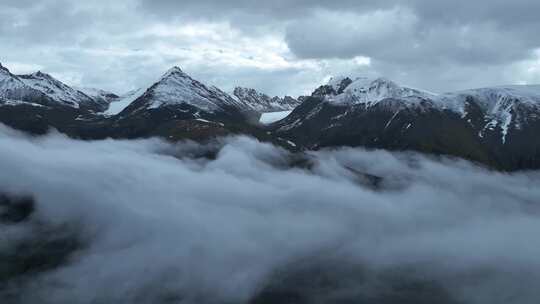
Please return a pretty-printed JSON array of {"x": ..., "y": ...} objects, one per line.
[{"x": 497, "y": 127}]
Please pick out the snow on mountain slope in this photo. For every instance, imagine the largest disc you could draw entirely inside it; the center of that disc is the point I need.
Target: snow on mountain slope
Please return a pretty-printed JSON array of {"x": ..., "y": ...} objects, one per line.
[
  {"x": 502, "y": 110},
  {"x": 271, "y": 117},
  {"x": 44, "y": 89},
  {"x": 55, "y": 89},
  {"x": 177, "y": 87},
  {"x": 119, "y": 104},
  {"x": 505, "y": 107},
  {"x": 363, "y": 90},
  {"x": 368, "y": 91},
  {"x": 492, "y": 99},
  {"x": 263, "y": 103},
  {"x": 13, "y": 88}
]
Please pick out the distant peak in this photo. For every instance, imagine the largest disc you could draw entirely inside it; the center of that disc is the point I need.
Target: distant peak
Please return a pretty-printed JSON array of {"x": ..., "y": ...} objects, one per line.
[
  {"x": 175, "y": 69},
  {"x": 174, "y": 72},
  {"x": 40, "y": 74},
  {"x": 341, "y": 83},
  {"x": 337, "y": 80}
]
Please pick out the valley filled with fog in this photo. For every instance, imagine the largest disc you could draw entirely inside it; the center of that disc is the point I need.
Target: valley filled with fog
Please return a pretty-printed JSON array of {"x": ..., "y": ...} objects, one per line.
[{"x": 240, "y": 221}]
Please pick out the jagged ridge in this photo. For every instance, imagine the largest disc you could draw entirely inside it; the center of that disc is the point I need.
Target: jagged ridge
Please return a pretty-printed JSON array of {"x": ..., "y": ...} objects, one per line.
[{"x": 263, "y": 103}]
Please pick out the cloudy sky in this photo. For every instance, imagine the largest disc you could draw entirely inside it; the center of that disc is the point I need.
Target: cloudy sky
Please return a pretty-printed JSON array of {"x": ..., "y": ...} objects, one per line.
[{"x": 279, "y": 46}]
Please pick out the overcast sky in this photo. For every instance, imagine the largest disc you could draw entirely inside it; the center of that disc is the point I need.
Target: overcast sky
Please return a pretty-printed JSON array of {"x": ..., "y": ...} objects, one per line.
[{"x": 276, "y": 46}]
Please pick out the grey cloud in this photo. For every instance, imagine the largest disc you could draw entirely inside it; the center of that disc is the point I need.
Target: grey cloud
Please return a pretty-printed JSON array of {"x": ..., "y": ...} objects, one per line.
[
  {"x": 433, "y": 44},
  {"x": 460, "y": 34},
  {"x": 497, "y": 31},
  {"x": 516, "y": 13},
  {"x": 400, "y": 39},
  {"x": 497, "y": 11},
  {"x": 400, "y": 36},
  {"x": 17, "y": 3},
  {"x": 269, "y": 82},
  {"x": 211, "y": 8},
  {"x": 160, "y": 225}
]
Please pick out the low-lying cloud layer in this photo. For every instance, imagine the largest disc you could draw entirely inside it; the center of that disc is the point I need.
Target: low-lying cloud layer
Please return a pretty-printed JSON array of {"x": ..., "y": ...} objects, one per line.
[{"x": 156, "y": 223}]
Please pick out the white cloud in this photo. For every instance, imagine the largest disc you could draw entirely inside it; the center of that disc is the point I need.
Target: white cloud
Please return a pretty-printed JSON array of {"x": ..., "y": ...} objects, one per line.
[{"x": 530, "y": 70}]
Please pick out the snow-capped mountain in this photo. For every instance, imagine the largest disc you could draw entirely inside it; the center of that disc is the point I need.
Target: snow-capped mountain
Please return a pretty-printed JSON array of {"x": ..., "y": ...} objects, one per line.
[
  {"x": 13, "y": 88},
  {"x": 178, "y": 106},
  {"x": 496, "y": 102},
  {"x": 177, "y": 88},
  {"x": 491, "y": 125},
  {"x": 503, "y": 108},
  {"x": 42, "y": 88},
  {"x": 368, "y": 91},
  {"x": 58, "y": 91},
  {"x": 496, "y": 126},
  {"x": 263, "y": 103}
]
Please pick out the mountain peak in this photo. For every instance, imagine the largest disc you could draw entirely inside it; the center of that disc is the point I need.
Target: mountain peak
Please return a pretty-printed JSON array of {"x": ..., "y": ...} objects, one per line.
[
  {"x": 367, "y": 90},
  {"x": 342, "y": 82},
  {"x": 41, "y": 75},
  {"x": 175, "y": 71},
  {"x": 4, "y": 70},
  {"x": 339, "y": 82},
  {"x": 176, "y": 87},
  {"x": 175, "y": 68},
  {"x": 58, "y": 91}
]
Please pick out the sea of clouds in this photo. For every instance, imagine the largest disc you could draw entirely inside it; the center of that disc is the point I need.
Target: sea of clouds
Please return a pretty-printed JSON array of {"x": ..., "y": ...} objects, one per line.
[{"x": 157, "y": 222}]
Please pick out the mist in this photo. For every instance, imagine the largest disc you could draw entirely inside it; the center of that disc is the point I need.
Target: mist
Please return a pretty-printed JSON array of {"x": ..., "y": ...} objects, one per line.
[{"x": 235, "y": 220}]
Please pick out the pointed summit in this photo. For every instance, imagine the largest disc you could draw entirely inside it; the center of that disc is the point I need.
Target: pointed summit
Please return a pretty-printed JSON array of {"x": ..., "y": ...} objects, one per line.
[
  {"x": 178, "y": 94},
  {"x": 43, "y": 76},
  {"x": 176, "y": 87},
  {"x": 40, "y": 74},
  {"x": 175, "y": 71}
]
